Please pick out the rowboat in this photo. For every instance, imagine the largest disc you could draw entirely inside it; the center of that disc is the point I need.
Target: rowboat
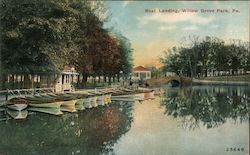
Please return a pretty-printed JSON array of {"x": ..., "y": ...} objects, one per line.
[
  {"x": 17, "y": 104},
  {"x": 79, "y": 107},
  {"x": 93, "y": 101},
  {"x": 127, "y": 98},
  {"x": 47, "y": 105},
  {"x": 100, "y": 100},
  {"x": 69, "y": 103},
  {"x": 79, "y": 104},
  {"x": 123, "y": 99},
  {"x": 18, "y": 114},
  {"x": 18, "y": 107},
  {"x": 68, "y": 96},
  {"x": 53, "y": 111},
  {"x": 130, "y": 95},
  {"x": 44, "y": 101},
  {"x": 67, "y": 108},
  {"x": 144, "y": 94},
  {"x": 149, "y": 95},
  {"x": 47, "y": 96},
  {"x": 107, "y": 98},
  {"x": 139, "y": 97},
  {"x": 40, "y": 99},
  {"x": 87, "y": 103},
  {"x": 78, "y": 95}
]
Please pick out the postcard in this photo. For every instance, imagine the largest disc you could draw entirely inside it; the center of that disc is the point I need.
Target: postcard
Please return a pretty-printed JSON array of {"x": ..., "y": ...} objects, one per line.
[{"x": 84, "y": 77}]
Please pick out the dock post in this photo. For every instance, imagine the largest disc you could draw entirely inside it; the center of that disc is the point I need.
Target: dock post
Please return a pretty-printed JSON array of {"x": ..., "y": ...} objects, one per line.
[{"x": 6, "y": 95}]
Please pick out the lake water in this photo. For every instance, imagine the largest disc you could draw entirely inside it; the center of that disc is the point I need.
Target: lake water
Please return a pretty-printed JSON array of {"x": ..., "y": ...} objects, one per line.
[{"x": 194, "y": 120}]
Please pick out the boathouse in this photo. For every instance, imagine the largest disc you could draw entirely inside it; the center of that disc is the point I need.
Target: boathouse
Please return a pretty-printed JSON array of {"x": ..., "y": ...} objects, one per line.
[
  {"x": 141, "y": 73},
  {"x": 67, "y": 77}
]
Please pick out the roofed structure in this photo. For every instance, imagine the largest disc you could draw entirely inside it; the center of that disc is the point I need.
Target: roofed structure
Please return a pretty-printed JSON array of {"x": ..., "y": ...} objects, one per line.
[{"x": 141, "y": 72}]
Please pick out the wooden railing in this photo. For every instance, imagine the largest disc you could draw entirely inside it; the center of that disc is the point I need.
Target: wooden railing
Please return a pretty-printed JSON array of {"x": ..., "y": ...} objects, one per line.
[{"x": 25, "y": 92}]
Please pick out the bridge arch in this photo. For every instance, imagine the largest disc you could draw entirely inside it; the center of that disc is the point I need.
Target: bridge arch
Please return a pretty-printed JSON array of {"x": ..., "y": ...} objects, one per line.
[
  {"x": 174, "y": 83},
  {"x": 173, "y": 80}
]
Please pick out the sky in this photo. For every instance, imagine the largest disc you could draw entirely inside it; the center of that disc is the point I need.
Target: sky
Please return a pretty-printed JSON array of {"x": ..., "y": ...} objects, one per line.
[{"x": 150, "y": 33}]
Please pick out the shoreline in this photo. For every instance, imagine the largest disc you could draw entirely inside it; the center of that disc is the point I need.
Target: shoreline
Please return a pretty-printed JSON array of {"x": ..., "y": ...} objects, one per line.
[
  {"x": 216, "y": 81},
  {"x": 220, "y": 83}
]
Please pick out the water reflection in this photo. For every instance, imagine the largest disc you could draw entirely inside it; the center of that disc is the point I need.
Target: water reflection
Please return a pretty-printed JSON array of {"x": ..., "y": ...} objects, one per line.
[
  {"x": 210, "y": 106},
  {"x": 93, "y": 131}
]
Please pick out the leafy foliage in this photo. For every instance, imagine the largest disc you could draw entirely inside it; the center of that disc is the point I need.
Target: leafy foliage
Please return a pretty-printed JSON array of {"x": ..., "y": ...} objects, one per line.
[
  {"x": 209, "y": 53},
  {"x": 42, "y": 36}
]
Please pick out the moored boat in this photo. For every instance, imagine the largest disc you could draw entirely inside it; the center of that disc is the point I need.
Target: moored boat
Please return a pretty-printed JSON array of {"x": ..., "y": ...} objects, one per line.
[
  {"x": 149, "y": 95},
  {"x": 40, "y": 99},
  {"x": 46, "y": 105},
  {"x": 93, "y": 101},
  {"x": 131, "y": 96},
  {"x": 18, "y": 114},
  {"x": 79, "y": 104},
  {"x": 87, "y": 103},
  {"x": 67, "y": 108},
  {"x": 17, "y": 104},
  {"x": 123, "y": 99},
  {"x": 79, "y": 107},
  {"x": 139, "y": 97},
  {"x": 17, "y": 107},
  {"x": 69, "y": 103},
  {"x": 100, "y": 100},
  {"x": 107, "y": 98}
]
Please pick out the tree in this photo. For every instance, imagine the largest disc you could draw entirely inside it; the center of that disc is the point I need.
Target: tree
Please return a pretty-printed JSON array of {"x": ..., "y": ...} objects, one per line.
[
  {"x": 42, "y": 36},
  {"x": 210, "y": 53},
  {"x": 126, "y": 52}
]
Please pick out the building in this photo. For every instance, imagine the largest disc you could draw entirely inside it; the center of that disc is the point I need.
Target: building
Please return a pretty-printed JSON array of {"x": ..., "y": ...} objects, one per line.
[
  {"x": 141, "y": 72},
  {"x": 65, "y": 80}
]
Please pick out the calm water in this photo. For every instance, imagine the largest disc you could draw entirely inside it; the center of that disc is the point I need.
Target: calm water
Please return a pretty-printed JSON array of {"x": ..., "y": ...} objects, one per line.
[{"x": 184, "y": 121}]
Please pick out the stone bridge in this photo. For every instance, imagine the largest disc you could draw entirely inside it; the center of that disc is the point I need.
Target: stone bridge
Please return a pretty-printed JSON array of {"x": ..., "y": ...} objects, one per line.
[{"x": 173, "y": 80}]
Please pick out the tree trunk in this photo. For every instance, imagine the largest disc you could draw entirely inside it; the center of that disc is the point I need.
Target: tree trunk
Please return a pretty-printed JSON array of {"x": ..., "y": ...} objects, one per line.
[
  {"x": 94, "y": 80},
  {"x": 118, "y": 78},
  {"x": 32, "y": 81},
  {"x": 26, "y": 81},
  {"x": 84, "y": 78},
  {"x": 109, "y": 78},
  {"x": 105, "y": 78},
  {"x": 3, "y": 81},
  {"x": 99, "y": 79},
  {"x": 48, "y": 81},
  {"x": 12, "y": 81},
  {"x": 78, "y": 80}
]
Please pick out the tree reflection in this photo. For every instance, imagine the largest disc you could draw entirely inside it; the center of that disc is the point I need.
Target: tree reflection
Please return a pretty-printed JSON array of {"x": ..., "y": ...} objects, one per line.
[
  {"x": 93, "y": 131},
  {"x": 210, "y": 106}
]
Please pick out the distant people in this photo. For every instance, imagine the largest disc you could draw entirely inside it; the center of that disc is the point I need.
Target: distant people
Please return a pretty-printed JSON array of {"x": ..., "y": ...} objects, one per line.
[
  {"x": 140, "y": 82},
  {"x": 131, "y": 83}
]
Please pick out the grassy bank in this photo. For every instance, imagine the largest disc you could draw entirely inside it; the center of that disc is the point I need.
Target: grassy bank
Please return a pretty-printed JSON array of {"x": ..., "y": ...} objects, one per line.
[
  {"x": 238, "y": 78},
  {"x": 220, "y": 80}
]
